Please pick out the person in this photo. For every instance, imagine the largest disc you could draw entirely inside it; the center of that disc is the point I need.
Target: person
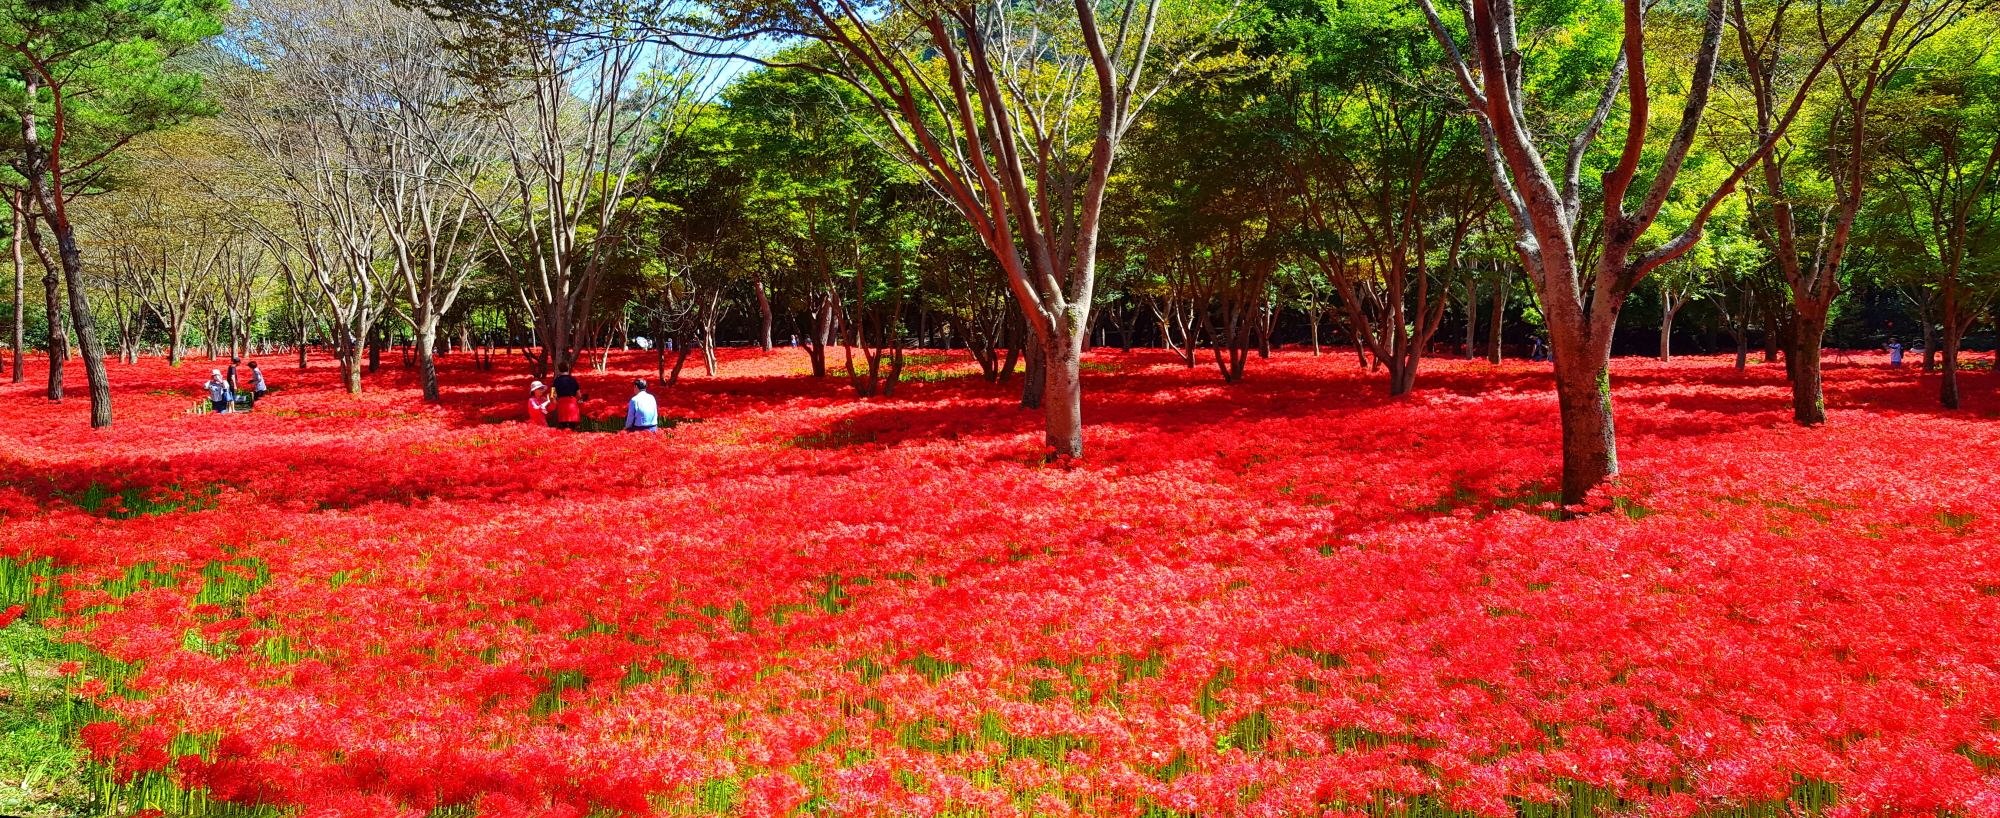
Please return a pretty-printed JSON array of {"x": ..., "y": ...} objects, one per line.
[
  {"x": 795, "y": 339},
  {"x": 219, "y": 395},
  {"x": 569, "y": 410},
  {"x": 257, "y": 388},
  {"x": 642, "y": 412},
  {"x": 538, "y": 404},
  {"x": 1895, "y": 354},
  {"x": 229, "y": 375},
  {"x": 1538, "y": 352}
]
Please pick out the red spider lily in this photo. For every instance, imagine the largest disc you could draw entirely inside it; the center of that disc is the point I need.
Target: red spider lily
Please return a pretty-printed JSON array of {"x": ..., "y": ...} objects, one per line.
[{"x": 1285, "y": 597}]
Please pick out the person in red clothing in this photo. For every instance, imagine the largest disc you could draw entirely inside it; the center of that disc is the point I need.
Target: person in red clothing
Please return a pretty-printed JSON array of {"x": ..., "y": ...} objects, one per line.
[
  {"x": 538, "y": 404},
  {"x": 569, "y": 407}
]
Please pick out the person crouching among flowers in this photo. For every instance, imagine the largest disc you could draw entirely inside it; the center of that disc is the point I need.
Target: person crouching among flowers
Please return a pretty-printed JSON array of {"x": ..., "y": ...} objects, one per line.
[{"x": 642, "y": 412}]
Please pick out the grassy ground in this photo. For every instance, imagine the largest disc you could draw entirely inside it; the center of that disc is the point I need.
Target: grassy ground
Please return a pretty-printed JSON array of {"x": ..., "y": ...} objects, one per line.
[{"x": 39, "y": 765}]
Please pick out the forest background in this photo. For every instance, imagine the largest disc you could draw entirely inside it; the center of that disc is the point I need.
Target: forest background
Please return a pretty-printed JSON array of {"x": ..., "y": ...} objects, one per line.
[{"x": 1372, "y": 179}]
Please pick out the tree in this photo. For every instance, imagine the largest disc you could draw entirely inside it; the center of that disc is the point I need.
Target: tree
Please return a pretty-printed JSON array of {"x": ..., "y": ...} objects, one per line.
[
  {"x": 1013, "y": 112},
  {"x": 582, "y": 131},
  {"x": 17, "y": 207},
  {"x": 104, "y": 68},
  {"x": 1209, "y": 216},
  {"x": 169, "y": 254},
  {"x": 1386, "y": 172},
  {"x": 1943, "y": 156},
  {"x": 1580, "y": 296},
  {"x": 1831, "y": 179}
]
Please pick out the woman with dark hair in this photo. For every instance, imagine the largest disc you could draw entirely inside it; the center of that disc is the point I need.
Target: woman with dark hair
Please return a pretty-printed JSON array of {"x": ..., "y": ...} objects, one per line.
[{"x": 569, "y": 408}]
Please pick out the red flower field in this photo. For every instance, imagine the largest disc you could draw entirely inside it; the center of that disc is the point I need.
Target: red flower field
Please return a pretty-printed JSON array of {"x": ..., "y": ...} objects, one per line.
[{"x": 1291, "y": 596}]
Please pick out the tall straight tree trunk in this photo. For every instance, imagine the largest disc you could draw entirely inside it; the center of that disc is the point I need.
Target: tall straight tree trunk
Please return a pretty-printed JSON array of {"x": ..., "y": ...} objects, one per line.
[
  {"x": 1670, "y": 305},
  {"x": 1930, "y": 344},
  {"x": 96, "y": 377},
  {"x": 44, "y": 179},
  {"x": 1493, "y": 338},
  {"x": 659, "y": 346},
  {"x": 764, "y": 313},
  {"x": 1743, "y": 327},
  {"x": 20, "y": 294},
  {"x": 1471, "y": 317},
  {"x": 58, "y": 342},
  {"x": 822, "y": 334},
  {"x": 1948, "y": 367},
  {"x": 1954, "y": 337}
]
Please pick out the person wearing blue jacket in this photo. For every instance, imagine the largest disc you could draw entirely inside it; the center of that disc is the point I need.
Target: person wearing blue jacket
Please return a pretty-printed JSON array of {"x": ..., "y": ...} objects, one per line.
[{"x": 642, "y": 412}]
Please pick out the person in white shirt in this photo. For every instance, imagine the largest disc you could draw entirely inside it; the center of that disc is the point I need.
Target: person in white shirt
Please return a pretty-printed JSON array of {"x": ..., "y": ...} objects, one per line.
[
  {"x": 642, "y": 412},
  {"x": 257, "y": 385}
]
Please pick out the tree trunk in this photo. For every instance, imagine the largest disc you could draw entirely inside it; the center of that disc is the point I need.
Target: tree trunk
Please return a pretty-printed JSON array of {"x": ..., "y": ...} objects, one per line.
[
  {"x": 426, "y": 344},
  {"x": 1955, "y": 325},
  {"x": 1948, "y": 367},
  {"x": 709, "y": 318},
  {"x": 680, "y": 360},
  {"x": 1062, "y": 394},
  {"x": 1493, "y": 338},
  {"x": 347, "y": 347},
  {"x": 52, "y": 307},
  {"x": 1930, "y": 344},
  {"x": 1770, "y": 340},
  {"x": 822, "y": 334},
  {"x": 1034, "y": 383},
  {"x": 1267, "y": 323},
  {"x": 1743, "y": 328},
  {"x": 1471, "y": 317},
  {"x": 1808, "y": 332},
  {"x": 1403, "y": 370},
  {"x": 1589, "y": 437},
  {"x": 1669, "y": 306},
  {"x": 20, "y": 294},
  {"x": 85, "y": 324},
  {"x": 764, "y": 311}
]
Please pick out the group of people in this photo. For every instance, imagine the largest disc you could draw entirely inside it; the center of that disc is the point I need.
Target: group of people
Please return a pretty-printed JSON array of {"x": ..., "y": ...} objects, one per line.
[
  {"x": 560, "y": 404},
  {"x": 224, "y": 389}
]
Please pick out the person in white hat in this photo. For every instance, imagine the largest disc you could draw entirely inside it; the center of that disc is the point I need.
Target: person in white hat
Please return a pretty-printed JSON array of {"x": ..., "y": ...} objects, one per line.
[
  {"x": 538, "y": 404},
  {"x": 219, "y": 396}
]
